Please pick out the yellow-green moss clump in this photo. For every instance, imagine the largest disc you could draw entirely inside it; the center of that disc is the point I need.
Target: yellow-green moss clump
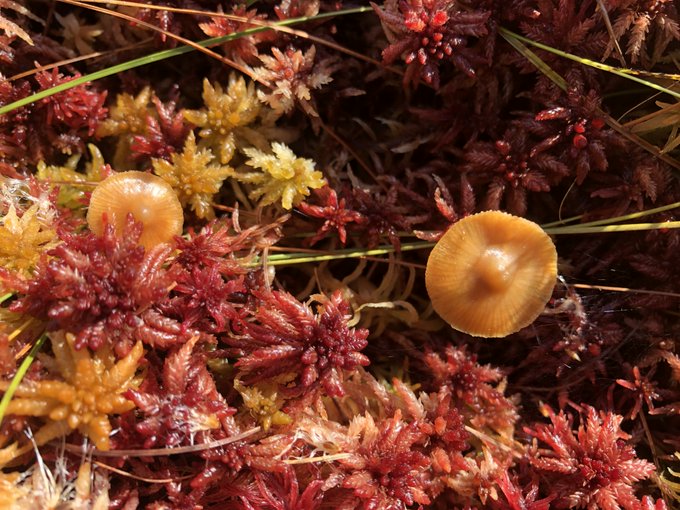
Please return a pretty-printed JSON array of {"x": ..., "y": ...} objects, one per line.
[{"x": 282, "y": 177}]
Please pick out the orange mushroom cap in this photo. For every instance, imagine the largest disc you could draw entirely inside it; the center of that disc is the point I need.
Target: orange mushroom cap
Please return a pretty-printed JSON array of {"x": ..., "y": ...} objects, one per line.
[
  {"x": 491, "y": 274},
  {"x": 149, "y": 198}
]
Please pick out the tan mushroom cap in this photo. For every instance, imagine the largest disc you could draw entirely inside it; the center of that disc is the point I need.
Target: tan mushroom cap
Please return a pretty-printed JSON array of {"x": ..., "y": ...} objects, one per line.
[
  {"x": 491, "y": 274},
  {"x": 149, "y": 198}
]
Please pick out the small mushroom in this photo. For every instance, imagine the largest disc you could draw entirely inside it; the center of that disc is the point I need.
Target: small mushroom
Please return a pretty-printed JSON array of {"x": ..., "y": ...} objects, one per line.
[
  {"x": 149, "y": 198},
  {"x": 491, "y": 274}
]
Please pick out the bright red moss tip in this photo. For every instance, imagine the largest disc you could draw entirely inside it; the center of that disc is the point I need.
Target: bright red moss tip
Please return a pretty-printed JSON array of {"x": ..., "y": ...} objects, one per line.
[
  {"x": 78, "y": 107},
  {"x": 426, "y": 33}
]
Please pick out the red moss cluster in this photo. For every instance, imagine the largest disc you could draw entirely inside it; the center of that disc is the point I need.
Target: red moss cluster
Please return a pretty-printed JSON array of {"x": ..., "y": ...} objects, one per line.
[
  {"x": 97, "y": 287},
  {"x": 286, "y": 352},
  {"x": 55, "y": 125},
  {"x": 427, "y": 32},
  {"x": 286, "y": 338}
]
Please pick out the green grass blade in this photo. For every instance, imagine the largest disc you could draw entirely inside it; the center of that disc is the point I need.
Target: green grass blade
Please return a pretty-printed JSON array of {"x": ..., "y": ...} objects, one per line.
[
  {"x": 513, "y": 38},
  {"x": 615, "y": 219},
  {"x": 562, "y": 222},
  {"x": 18, "y": 377},
  {"x": 631, "y": 216},
  {"x": 165, "y": 54},
  {"x": 631, "y": 227},
  {"x": 348, "y": 253},
  {"x": 595, "y": 227},
  {"x": 516, "y": 42}
]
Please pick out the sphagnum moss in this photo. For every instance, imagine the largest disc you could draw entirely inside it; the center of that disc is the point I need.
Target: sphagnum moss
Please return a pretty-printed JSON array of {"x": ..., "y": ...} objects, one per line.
[{"x": 262, "y": 388}]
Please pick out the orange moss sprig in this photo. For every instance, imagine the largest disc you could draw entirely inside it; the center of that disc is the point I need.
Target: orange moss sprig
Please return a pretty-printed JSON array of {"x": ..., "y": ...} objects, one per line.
[{"x": 88, "y": 390}]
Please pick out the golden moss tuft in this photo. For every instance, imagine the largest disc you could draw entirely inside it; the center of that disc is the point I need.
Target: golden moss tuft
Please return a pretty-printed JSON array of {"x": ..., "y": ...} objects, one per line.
[
  {"x": 193, "y": 176},
  {"x": 73, "y": 197},
  {"x": 23, "y": 240},
  {"x": 128, "y": 115},
  {"x": 11, "y": 491},
  {"x": 263, "y": 403},
  {"x": 226, "y": 115},
  {"x": 127, "y": 118},
  {"x": 56, "y": 488}
]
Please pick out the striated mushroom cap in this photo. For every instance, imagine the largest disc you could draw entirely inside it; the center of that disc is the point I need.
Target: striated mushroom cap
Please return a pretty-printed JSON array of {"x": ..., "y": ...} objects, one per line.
[
  {"x": 491, "y": 274},
  {"x": 149, "y": 198}
]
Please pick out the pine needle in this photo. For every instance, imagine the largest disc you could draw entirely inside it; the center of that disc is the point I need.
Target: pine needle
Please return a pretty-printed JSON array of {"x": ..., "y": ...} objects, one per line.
[
  {"x": 321, "y": 458},
  {"x": 157, "y": 452},
  {"x": 12, "y": 29},
  {"x": 624, "y": 289},
  {"x": 255, "y": 22},
  {"x": 627, "y": 217}
]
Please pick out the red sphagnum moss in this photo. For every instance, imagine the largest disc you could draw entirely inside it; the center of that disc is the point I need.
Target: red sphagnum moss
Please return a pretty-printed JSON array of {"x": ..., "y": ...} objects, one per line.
[{"x": 245, "y": 362}]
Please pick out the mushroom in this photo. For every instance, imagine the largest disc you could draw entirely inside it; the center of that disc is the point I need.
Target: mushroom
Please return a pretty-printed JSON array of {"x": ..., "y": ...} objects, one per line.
[
  {"x": 149, "y": 198},
  {"x": 491, "y": 274}
]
